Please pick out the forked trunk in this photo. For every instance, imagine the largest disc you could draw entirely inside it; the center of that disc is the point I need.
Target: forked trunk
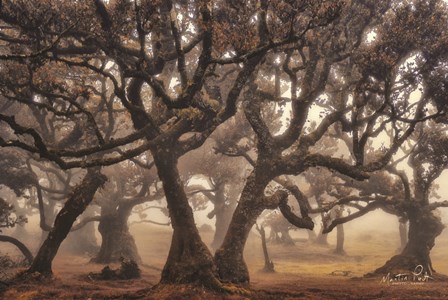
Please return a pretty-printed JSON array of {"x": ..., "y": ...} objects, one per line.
[
  {"x": 81, "y": 196},
  {"x": 189, "y": 260},
  {"x": 424, "y": 227}
]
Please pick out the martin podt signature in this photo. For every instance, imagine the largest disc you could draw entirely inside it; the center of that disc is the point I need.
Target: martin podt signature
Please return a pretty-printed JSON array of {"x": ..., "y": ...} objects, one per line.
[{"x": 418, "y": 276}]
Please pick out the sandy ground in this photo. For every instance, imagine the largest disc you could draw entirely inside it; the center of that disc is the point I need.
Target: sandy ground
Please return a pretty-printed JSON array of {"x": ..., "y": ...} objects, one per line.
[{"x": 303, "y": 271}]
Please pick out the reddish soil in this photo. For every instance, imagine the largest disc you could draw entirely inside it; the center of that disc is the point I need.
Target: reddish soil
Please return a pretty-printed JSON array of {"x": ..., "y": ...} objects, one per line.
[{"x": 303, "y": 271}]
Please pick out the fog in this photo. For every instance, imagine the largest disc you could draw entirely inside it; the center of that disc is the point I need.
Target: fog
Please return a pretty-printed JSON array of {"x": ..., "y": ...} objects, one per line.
[{"x": 223, "y": 149}]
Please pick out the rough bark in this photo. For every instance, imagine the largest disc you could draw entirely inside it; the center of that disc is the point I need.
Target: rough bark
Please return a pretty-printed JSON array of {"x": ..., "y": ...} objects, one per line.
[
  {"x": 229, "y": 258},
  {"x": 117, "y": 242},
  {"x": 24, "y": 249},
  {"x": 81, "y": 196},
  {"x": 189, "y": 260},
  {"x": 424, "y": 227}
]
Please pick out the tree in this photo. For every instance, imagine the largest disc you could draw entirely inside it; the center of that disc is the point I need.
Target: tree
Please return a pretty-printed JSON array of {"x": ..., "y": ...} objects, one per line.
[
  {"x": 224, "y": 176},
  {"x": 135, "y": 47},
  {"x": 6, "y": 221},
  {"x": 128, "y": 45},
  {"x": 409, "y": 200},
  {"x": 161, "y": 76},
  {"x": 280, "y": 228},
  {"x": 128, "y": 186},
  {"x": 77, "y": 202},
  {"x": 368, "y": 91},
  {"x": 426, "y": 156},
  {"x": 268, "y": 263},
  {"x": 18, "y": 179}
]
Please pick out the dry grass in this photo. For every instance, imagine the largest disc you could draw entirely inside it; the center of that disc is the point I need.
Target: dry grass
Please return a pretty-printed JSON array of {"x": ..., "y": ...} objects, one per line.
[{"x": 302, "y": 272}]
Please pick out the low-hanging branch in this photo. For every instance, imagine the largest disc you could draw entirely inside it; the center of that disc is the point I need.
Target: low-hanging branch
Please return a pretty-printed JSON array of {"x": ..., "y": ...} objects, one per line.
[
  {"x": 24, "y": 249},
  {"x": 304, "y": 222},
  {"x": 86, "y": 221},
  {"x": 151, "y": 222},
  {"x": 369, "y": 207}
]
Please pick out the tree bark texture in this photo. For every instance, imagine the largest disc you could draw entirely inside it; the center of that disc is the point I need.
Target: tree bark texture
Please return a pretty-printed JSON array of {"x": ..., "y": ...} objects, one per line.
[
  {"x": 80, "y": 198},
  {"x": 117, "y": 242},
  {"x": 229, "y": 258},
  {"x": 189, "y": 260},
  {"x": 424, "y": 227}
]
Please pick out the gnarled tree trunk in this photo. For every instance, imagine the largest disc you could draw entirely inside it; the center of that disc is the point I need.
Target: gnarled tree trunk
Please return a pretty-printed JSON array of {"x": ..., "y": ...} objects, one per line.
[
  {"x": 81, "y": 196},
  {"x": 424, "y": 227},
  {"x": 189, "y": 260},
  {"x": 229, "y": 258},
  {"x": 117, "y": 242}
]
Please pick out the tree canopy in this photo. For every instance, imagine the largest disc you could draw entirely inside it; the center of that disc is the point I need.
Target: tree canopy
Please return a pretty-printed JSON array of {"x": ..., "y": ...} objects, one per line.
[{"x": 287, "y": 85}]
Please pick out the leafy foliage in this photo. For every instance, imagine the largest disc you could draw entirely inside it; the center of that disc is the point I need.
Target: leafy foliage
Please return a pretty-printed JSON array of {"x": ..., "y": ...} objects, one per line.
[{"x": 15, "y": 175}]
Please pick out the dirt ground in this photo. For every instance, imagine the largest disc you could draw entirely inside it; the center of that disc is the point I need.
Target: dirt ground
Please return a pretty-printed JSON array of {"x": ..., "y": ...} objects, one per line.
[{"x": 303, "y": 271}]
